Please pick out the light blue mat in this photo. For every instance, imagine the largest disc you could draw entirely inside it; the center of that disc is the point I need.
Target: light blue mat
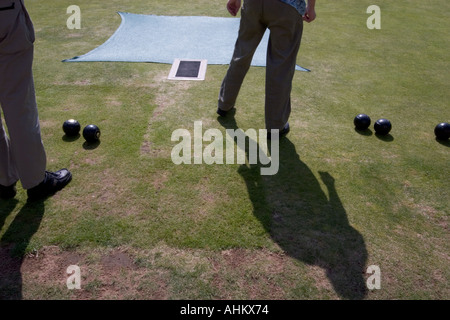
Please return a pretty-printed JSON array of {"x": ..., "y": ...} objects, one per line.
[{"x": 162, "y": 39}]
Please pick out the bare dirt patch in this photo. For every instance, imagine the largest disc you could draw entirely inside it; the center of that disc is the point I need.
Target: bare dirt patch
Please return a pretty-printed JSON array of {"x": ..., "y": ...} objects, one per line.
[{"x": 123, "y": 273}]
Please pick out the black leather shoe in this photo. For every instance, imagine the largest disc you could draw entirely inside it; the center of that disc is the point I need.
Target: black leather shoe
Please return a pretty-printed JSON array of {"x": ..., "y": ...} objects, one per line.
[
  {"x": 53, "y": 182},
  {"x": 222, "y": 113},
  {"x": 8, "y": 192},
  {"x": 281, "y": 133}
]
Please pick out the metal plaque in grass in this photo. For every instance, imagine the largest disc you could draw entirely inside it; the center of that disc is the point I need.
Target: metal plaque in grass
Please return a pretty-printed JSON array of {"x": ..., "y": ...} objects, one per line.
[{"x": 188, "y": 69}]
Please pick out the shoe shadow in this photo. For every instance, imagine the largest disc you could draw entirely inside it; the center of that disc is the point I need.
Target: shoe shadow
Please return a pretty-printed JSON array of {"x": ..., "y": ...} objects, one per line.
[
  {"x": 306, "y": 223},
  {"x": 6, "y": 207},
  {"x": 14, "y": 244}
]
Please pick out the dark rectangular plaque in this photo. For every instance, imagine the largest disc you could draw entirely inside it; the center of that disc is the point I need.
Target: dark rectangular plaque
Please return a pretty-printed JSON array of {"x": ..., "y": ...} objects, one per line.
[{"x": 188, "y": 69}]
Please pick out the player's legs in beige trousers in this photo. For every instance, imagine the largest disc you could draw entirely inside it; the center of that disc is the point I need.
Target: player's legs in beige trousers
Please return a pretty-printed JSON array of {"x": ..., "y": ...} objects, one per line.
[
  {"x": 22, "y": 154},
  {"x": 251, "y": 31},
  {"x": 286, "y": 27}
]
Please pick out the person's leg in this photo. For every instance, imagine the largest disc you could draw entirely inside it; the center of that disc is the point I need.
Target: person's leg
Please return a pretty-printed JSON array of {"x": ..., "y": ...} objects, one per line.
[
  {"x": 251, "y": 31},
  {"x": 18, "y": 101},
  {"x": 286, "y": 26},
  {"x": 27, "y": 158}
]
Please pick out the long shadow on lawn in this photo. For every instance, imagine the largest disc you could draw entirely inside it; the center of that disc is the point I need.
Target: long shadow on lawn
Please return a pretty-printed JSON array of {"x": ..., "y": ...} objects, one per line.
[
  {"x": 303, "y": 221},
  {"x": 14, "y": 243}
]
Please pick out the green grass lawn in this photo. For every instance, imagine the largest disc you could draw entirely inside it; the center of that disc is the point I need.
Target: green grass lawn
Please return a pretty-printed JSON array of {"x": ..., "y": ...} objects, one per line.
[{"x": 141, "y": 227}]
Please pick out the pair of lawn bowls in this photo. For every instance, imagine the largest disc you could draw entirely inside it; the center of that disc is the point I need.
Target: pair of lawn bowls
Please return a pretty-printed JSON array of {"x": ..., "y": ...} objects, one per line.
[{"x": 91, "y": 133}]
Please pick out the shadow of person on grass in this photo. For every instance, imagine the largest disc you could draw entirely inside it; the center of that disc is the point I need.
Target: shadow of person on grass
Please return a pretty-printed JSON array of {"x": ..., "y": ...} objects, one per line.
[
  {"x": 306, "y": 223},
  {"x": 14, "y": 243}
]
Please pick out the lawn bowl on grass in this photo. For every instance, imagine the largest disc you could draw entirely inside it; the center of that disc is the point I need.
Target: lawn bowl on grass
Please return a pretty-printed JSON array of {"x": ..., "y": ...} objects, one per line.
[
  {"x": 382, "y": 127},
  {"x": 362, "y": 121},
  {"x": 91, "y": 133},
  {"x": 71, "y": 127},
  {"x": 442, "y": 131}
]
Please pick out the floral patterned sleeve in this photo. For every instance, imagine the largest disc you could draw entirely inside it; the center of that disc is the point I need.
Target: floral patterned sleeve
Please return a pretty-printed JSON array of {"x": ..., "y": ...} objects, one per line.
[{"x": 299, "y": 5}]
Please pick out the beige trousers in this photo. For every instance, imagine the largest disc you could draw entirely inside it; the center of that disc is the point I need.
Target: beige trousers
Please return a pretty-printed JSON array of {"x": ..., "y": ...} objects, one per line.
[
  {"x": 22, "y": 154},
  {"x": 286, "y": 27}
]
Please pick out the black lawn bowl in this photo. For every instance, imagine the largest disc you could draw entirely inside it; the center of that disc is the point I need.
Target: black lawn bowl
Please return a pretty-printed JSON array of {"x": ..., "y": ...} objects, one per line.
[
  {"x": 382, "y": 126},
  {"x": 71, "y": 127},
  {"x": 442, "y": 131},
  {"x": 362, "y": 121},
  {"x": 91, "y": 133}
]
